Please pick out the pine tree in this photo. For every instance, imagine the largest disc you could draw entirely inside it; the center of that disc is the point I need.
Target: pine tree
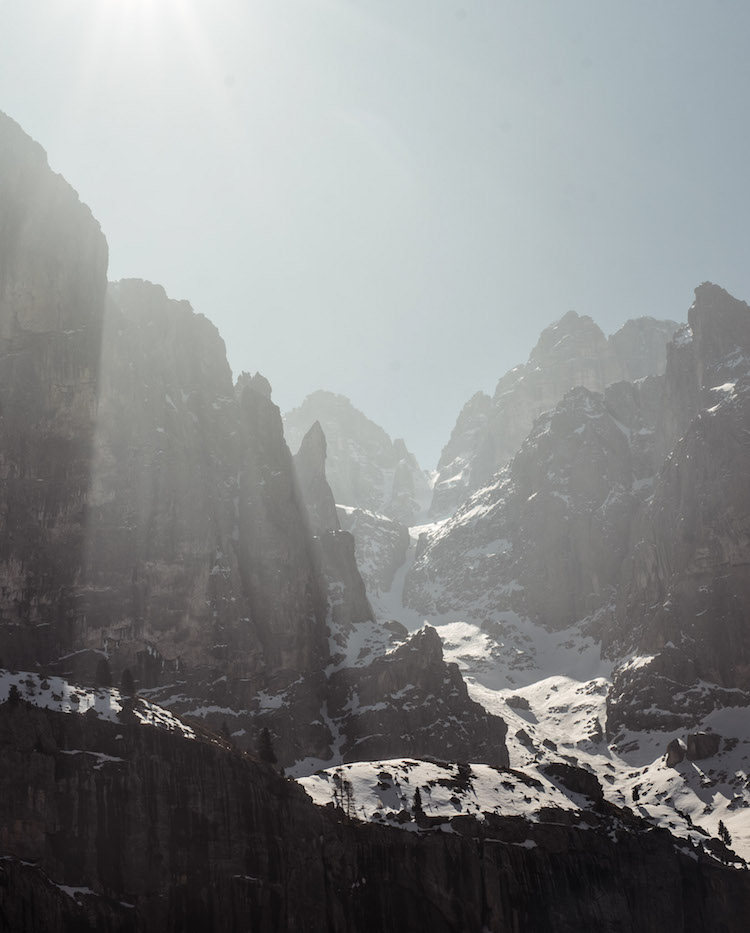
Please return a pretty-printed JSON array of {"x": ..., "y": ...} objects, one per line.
[
  {"x": 724, "y": 834},
  {"x": 14, "y": 695},
  {"x": 103, "y": 673},
  {"x": 417, "y": 808},
  {"x": 127, "y": 684},
  {"x": 348, "y": 791},
  {"x": 265, "y": 747}
]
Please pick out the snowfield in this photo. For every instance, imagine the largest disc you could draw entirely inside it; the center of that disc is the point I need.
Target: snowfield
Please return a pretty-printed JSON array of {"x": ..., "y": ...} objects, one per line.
[{"x": 382, "y": 789}]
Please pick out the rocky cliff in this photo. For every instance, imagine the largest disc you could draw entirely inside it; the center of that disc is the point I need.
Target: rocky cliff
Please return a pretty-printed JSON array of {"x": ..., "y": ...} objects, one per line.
[
  {"x": 685, "y": 600},
  {"x": 128, "y": 827},
  {"x": 572, "y": 352},
  {"x": 53, "y": 264}
]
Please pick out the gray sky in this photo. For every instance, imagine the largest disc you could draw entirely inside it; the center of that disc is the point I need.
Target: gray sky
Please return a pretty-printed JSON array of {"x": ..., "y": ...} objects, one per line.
[{"x": 391, "y": 198}]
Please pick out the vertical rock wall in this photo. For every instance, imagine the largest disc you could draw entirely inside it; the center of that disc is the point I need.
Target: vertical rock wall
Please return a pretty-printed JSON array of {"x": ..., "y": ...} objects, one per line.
[{"x": 53, "y": 263}]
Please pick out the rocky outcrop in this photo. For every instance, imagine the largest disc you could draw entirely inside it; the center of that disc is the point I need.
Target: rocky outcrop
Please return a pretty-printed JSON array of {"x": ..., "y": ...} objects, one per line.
[
  {"x": 310, "y": 465},
  {"x": 675, "y": 753},
  {"x": 365, "y": 468},
  {"x": 572, "y": 352},
  {"x": 346, "y": 590},
  {"x": 576, "y": 779},
  {"x": 411, "y": 703},
  {"x": 53, "y": 263},
  {"x": 226, "y": 844}
]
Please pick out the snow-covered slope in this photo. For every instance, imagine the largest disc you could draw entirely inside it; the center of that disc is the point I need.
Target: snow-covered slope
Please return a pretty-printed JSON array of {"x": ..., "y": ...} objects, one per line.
[{"x": 105, "y": 703}]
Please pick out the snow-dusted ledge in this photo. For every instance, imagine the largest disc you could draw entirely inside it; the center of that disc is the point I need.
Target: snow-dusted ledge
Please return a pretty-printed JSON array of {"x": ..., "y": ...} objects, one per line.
[{"x": 58, "y": 694}]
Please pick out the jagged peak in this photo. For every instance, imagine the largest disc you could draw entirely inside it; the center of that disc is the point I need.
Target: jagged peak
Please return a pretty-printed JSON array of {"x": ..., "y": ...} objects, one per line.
[
  {"x": 426, "y": 643},
  {"x": 256, "y": 383},
  {"x": 313, "y": 443},
  {"x": 570, "y": 324}
]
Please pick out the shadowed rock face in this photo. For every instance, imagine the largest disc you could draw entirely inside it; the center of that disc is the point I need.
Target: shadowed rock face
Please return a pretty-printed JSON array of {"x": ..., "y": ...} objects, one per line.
[
  {"x": 572, "y": 352},
  {"x": 53, "y": 262},
  {"x": 686, "y": 599},
  {"x": 410, "y": 701},
  {"x": 310, "y": 464},
  {"x": 163, "y": 833},
  {"x": 347, "y": 599}
]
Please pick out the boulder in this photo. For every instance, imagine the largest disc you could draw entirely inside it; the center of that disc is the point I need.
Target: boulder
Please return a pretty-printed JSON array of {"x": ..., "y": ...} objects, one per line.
[
  {"x": 675, "y": 753},
  {"x": 576, "y": 779}
]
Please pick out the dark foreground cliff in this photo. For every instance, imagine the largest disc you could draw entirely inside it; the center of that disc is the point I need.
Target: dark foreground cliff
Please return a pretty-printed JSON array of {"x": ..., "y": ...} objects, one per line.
[{"x": 124, "y": 827}]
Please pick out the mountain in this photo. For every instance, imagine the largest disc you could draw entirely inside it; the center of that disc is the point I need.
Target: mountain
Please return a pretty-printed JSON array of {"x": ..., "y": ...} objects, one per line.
[
  {"x": 364, "y": 467},
  {"x": 571, "y": 352},
  {"x": 158, "y": 532}
]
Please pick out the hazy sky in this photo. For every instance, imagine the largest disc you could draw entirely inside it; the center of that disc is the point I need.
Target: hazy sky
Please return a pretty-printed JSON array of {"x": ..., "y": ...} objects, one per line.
[{"x": 391, "y": 198}]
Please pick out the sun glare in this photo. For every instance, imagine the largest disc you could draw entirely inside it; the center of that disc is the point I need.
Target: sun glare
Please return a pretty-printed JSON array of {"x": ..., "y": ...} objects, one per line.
[{"x": 135, "y": 40}]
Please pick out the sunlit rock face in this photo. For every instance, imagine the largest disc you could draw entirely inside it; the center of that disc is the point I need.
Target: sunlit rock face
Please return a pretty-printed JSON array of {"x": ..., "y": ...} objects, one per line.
[
  {"x": 686, "y": 602},
  {"x": 201, "y": 574},
  {"x": 53, "y": 263},
  {"x": 572, "y": 352},
  {"x": 364, "y": 467}
]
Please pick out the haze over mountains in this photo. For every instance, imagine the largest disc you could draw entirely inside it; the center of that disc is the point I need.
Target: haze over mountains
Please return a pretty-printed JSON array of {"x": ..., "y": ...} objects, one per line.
[{"x": 573, "y": 715}]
